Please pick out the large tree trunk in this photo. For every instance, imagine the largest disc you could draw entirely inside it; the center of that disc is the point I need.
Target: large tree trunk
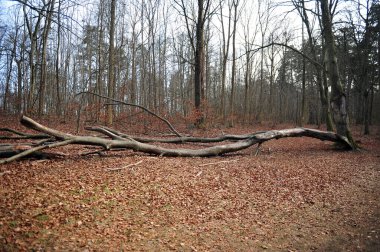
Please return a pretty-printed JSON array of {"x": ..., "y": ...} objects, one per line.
[
  {"x": 338, "y": 97},
  {"x": 199, "y": 72},
  {"x": 322, "y": 85}
]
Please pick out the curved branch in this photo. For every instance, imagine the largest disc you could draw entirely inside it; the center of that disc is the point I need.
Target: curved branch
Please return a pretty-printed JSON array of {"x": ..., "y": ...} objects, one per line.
[
  {"x": 135, "y": 105},
  {"x": 311, "y": 60}
]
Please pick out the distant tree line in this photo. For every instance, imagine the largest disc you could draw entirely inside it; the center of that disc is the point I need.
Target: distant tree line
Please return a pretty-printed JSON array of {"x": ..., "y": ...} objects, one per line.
[{"x": 225, "y": 61}]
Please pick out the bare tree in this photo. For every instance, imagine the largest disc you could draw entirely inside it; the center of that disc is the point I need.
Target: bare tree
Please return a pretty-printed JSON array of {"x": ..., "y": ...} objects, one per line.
[
  {"x": 322, "y": 85},
  {"x": 45, "y": 34},
  {"x": 203, "y": 13},
  {"x": 235, "y": 4},
  {"x": 33, "y": 36},
  {"x": 224, "y": 55}
]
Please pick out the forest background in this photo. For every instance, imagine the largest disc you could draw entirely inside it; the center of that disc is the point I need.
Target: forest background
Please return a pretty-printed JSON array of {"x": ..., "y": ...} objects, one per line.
[{"x": 204, "y": 62}]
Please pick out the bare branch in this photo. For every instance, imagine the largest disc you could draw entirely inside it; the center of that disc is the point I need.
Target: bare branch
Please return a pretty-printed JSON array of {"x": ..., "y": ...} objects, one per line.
[{"x": 135, "y": 105}]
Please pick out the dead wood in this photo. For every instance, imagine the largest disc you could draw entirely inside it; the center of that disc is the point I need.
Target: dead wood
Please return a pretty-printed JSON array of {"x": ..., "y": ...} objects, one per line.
[
  {"x": 21, "y": 135},
  {"x": 117, "y": 142},
  {"x": 124, "y": 167},
  {"x": 11, "y": 150},
  {"x": 175, "y": 140}
]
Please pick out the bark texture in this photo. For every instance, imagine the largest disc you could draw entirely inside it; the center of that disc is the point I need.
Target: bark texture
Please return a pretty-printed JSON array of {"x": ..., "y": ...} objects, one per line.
[{"x": 338, "y": 97}]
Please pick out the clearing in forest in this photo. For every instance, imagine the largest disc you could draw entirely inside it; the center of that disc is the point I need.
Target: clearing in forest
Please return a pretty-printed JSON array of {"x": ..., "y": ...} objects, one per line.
[{"x": 296, "y": 194}]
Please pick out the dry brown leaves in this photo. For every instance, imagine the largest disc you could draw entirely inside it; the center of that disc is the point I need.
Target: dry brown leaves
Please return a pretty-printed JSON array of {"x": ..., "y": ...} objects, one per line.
[{"x": 296, "y": 195}]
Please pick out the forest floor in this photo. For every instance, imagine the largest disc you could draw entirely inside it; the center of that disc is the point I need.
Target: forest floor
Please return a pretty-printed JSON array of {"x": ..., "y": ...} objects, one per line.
[{"x": 297, "y": 194}]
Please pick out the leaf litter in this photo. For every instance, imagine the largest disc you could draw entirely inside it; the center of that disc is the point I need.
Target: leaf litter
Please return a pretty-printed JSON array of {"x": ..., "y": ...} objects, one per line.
[{"x": 295, "y": 195}]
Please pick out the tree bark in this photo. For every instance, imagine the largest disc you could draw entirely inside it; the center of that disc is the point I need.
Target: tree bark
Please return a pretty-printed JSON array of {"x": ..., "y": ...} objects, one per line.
[
  {"x": 43, "y": 78},
  {"x": 111, "y": 81},
  {"x": 338, "y": 97},
  {"x": 199, "y": 72}
]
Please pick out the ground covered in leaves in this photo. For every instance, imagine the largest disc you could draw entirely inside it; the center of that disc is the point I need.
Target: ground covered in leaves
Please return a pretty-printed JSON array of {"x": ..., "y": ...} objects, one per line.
[{"x": 297, "y": 194}]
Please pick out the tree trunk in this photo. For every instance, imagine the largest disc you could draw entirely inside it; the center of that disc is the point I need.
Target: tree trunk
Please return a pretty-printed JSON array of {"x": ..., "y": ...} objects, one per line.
[
  {"x": 32, "y": 52},
  {"x": 111, "y": 81},
  {"x": 233, "y": 70},
  {"x": 303, "y": 102},
  {"x": 338, "y": 97},
  {"x": 199, "y": 72},
  {"x": 322, "y": 85},
  {"x": 43, "y": 78},
  {"x": 224, "y": 58},
  {"x": 58, "y": 109}
]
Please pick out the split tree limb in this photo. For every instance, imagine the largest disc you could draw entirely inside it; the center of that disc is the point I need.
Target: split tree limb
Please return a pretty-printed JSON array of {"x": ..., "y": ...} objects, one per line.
[
  {"x": 137, "y": 106},
  {"x": 21, "y": 135},
  {"x": 34, "y": 150},
  {"x": 109, "y": 144},
  {"x": 176, "y": 140}
]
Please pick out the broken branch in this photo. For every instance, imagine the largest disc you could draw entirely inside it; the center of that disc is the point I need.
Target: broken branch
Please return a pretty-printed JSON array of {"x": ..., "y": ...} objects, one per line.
[{"x": 125, "y": 167}]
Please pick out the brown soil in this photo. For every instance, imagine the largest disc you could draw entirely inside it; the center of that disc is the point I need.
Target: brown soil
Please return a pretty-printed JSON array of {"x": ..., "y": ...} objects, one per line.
[{"x": 298, "y": 194}]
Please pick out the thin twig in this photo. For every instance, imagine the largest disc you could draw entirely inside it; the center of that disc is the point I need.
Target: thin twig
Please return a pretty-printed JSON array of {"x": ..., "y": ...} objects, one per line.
[
  {"x": 124, "y": 167},
  {"x": 224, "y": 161},
  {"x": 257, "y": 149},
  {"x": 4, "y": 172},
  {"x": 199, "y": 174}
]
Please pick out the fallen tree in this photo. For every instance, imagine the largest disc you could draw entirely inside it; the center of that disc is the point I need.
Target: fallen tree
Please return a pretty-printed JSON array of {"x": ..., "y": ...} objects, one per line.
[{"x": 113, "y": 140}]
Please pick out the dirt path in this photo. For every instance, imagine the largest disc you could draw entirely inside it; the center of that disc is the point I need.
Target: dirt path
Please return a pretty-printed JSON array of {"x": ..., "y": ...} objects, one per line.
[{"x": 296, "y": 195}]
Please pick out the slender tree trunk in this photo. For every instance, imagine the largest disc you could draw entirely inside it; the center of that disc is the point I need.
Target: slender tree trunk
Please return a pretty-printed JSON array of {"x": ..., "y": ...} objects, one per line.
[
  {"x": 233, "y": 70},
  {"x": 99, "y": 59},
  {"x": 246, "y": 84},
  {"x": 58, "y": 105},
  {"x": 261, "y": 94},
  {"x": 199, "y": 72},
  {"x": 19, "y": 86},
  {"x": 8, "y": 78},
  {"x": 271, "y": 82},
  {"x": 32, "y": 53},
  {"x": 43, "y": 78},
  {"x": 199, "y": 56},
  {"x": 303, "y": 102},
  {"x": 111, "y": 81},
  {"x": 133, "y": 77}
]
